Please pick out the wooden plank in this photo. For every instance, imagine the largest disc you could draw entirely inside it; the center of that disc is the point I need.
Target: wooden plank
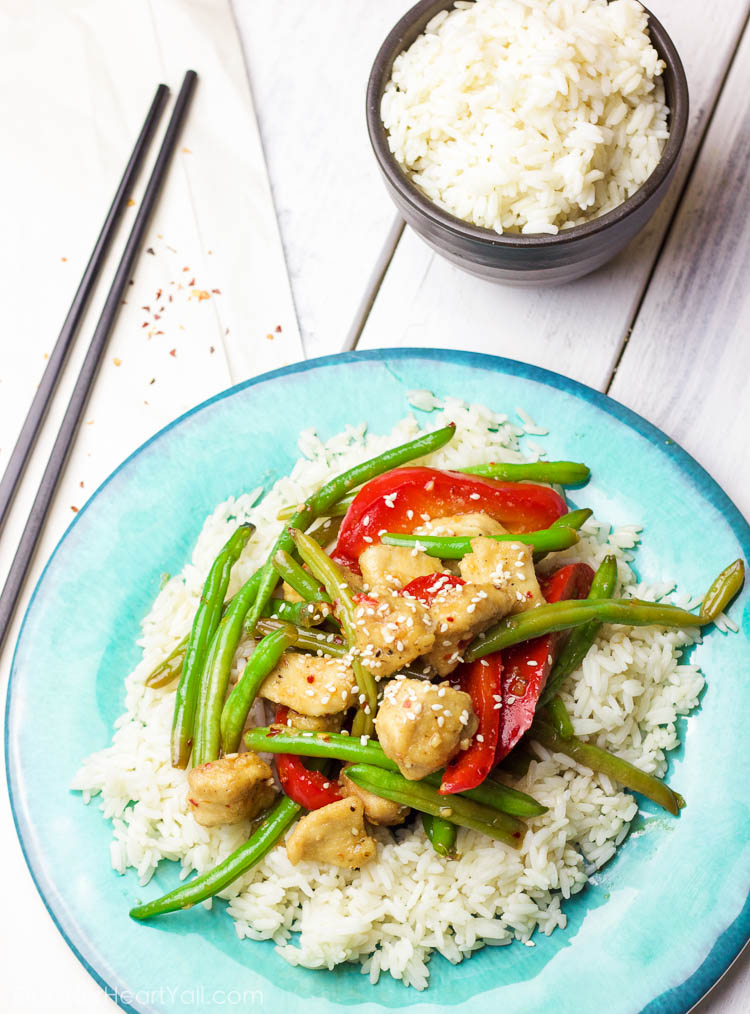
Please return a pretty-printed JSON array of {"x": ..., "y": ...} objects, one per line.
[
  {"x": 687, "y": 363},
  {"x": 576, "y": 329},
  {"x": 308, "y": 67}
]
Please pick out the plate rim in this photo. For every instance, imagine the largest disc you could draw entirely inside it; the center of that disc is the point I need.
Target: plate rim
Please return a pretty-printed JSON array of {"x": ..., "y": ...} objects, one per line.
[{"x": 728, "y": 946}]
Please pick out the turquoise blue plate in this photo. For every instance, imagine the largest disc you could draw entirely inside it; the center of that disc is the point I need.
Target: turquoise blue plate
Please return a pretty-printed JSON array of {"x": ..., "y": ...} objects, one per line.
[{"x": 663, "y": 920}]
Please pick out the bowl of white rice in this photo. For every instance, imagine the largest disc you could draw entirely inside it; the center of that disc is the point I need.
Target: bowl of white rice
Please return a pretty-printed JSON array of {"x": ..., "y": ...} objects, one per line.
[{"x": 528, "y": 141}]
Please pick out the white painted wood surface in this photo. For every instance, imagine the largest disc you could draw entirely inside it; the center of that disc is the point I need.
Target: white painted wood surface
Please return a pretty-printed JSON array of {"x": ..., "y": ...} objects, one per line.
[
  {"x": 681, "y": 286},
  {"x": 576, "y": 329}
]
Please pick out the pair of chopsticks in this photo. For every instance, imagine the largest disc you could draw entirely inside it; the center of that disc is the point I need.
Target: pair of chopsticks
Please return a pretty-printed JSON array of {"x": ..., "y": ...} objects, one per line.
[{"x": 78, "y": 399}]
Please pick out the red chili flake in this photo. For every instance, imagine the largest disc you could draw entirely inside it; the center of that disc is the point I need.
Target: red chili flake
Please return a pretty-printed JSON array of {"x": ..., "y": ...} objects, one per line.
[
  {"x": 81, "y": 483},
  {"x": 186, "y": 269},
  {"x": 407, "y": 703},
  {"x": 211, "y": 349},
  {"x": 273, "y": 731},
  {"x": 145, "y": 324},
  {"x": 192, "y": 802},
  {"x": 173, "y": 352},
  {"x": 151, "y": 250},
  {"x": 158, "y": 294},
  {"x": 226, "y": 330},
  {"x": 161, "y": 309},
  {"x": 74, "y": 509},
  {"x": 157, "y": 316},
  {"x": 158, "y": 332},
  {"x": 170, "y": 294},
  {"x": 146, "y": 308},
  {"x": 216, "y": 291},
  {"x": 191, "y": 283},
  {"x": 310, "y": 679},
  {"x": 277, "y": 329},
  {"x": 63, "y": 259}
]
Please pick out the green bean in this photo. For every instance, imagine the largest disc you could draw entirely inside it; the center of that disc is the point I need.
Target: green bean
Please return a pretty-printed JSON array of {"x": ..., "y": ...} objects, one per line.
[
  {"x": 723, "y": 590},
  {"x": 441, "y": 833},
  {"x": 169, "y": 669},
  {"x": 446, "y": 547},
  {"x": 265, "y": 658},
  {"x": 563, "y": 473},
  {"x": 205, "y": 622},
  {"x": 426, "y": 799},
  {"x": 329, "y": 573},
  {"x": 301, "y": 614},
  {"x": 516, "y": 764},
  {"x": 605, "y": 763},
  {"x": 337, "y": 746},
  {"x": 573, "y": 519},
  {"x": 577, "y": 646},
  {"x": 216, "y": 675},
  {"x": 574, "y": 613},
  {"x": 297, "y": 578},
  {"x": 559, "y": 717},
  {"x": 206, "y": 885},
  {"x": 332, "y": 491},
  {"x": 297, "y": 613},
  {"x": 336, "y": 510}
]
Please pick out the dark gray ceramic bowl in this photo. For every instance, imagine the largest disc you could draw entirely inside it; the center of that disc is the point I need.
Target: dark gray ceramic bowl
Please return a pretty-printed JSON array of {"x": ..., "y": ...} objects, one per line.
[{"x": 512, "y": 258}]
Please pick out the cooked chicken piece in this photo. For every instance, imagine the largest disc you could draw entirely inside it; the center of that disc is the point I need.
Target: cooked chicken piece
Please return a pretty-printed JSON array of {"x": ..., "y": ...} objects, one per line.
[
  {"x": 508, "y": 567},
  {"x": 289, "y": 594},
  {"x": 459, "y": 614},
  {"x": 421, "y": 725},
  {"x": 377, "y": 810},
  {"x": 395, "y": 566},
  {"x": 391, "y": 631},
  {"x": 469, "y": 525},
  {"x": 310, "y": 685},
  {"x": 333, "y": 834},
  {"x": 230, "y": 790},
  {"x": 315, "y": 723},
  {"x": 355, "y": 581}
]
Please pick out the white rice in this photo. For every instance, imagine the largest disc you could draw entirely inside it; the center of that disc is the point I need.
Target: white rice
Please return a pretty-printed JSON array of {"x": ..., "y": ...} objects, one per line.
[
  {"x": 394, "y": 912},
  {"x": 529, "y": 115}
]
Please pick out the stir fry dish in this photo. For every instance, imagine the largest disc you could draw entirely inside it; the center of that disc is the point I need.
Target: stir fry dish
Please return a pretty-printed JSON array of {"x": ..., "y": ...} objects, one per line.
[{"x": 410, "y": 635}]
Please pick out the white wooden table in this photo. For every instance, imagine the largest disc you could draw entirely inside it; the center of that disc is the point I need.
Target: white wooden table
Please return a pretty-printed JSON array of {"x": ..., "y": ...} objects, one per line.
[{"x": 663, "y": 329}]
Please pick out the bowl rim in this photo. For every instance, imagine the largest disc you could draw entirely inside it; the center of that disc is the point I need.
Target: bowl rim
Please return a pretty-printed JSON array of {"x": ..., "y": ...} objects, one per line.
[{"x": 423, "y": 206}]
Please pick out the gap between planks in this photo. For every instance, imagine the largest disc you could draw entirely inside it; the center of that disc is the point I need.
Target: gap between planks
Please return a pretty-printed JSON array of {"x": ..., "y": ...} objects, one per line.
[
  {"x": 373, "y": 284},
  {"x": 684, "y": 188}
]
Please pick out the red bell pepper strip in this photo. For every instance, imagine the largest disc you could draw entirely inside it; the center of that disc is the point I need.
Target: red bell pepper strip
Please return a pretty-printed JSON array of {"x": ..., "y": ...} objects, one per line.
[
  {"x": 429, "y": 586},
  {"x": 405, "y": 498},
  {"x": 311, "y": 789},
  {"x": 483, "y": 682},
  {"x": 526, "y": 666}
]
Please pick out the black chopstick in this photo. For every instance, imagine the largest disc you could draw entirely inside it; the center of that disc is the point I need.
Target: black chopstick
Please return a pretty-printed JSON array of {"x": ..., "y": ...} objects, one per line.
[
  {"x": 69, "y": 425},
  {"x": 43, "y": 397}
]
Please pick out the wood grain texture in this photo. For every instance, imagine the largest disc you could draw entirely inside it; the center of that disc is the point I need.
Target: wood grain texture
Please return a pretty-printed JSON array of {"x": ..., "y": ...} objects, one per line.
[
  {"x": 687, "y": 363},
  {"x": 308, "y": 66},
  {"x": 577, "y": 329}
]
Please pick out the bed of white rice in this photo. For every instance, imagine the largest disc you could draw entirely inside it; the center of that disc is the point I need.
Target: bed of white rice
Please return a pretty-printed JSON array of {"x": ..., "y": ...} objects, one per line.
[
  {"x": 393, "y": 913},
  {"x": 529, "y": 115}
]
